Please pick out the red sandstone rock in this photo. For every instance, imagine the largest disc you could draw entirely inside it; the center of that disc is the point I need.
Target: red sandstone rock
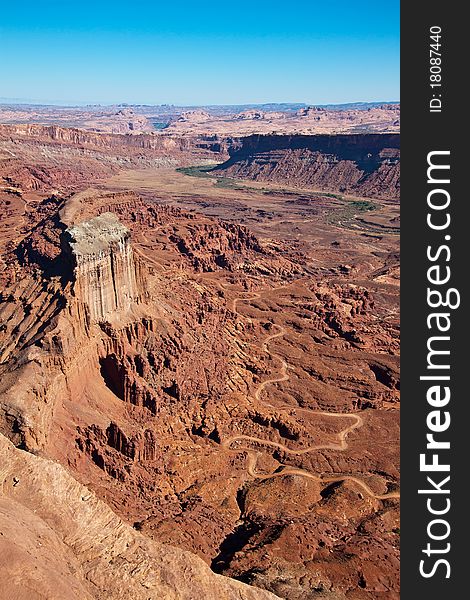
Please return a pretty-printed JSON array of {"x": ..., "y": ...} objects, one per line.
[
  {"x": 190, "y": 402},
  {"x": 366, "y": 165}
]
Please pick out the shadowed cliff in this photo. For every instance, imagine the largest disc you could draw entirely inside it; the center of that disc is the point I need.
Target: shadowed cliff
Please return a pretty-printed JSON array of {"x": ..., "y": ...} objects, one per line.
[{"x": 362, "y": 165}]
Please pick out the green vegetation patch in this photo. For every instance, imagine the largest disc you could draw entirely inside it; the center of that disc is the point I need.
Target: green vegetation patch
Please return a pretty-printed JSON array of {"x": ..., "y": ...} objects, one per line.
[
  {"x": 328, "y": 195},
  {"x": 363, "y": 205},
  {"x": 228, "y": 183},
  {"x": 231, "y": 184},
  {"x": 198, "y": 171},
  {"x": 221, "y": 182}
]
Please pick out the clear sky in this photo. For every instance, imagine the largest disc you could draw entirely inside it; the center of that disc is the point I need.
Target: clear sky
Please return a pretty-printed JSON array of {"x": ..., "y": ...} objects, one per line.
[{"x": 196, "y": 52}]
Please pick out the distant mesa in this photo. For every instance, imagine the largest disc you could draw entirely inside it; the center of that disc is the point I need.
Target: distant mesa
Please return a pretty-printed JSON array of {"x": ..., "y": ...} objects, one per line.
[
  {"x": 304, "y": 120},
  {"x": 309, "y": 111},
  {"x": 194, "y": 116},
  {"x": 223, "y": 120},
  {"x": 127, "y": 112}
]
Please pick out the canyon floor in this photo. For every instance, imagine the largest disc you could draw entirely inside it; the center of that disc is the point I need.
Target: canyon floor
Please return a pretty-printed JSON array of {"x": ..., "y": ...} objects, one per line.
[{"x": 207, "y": 404}]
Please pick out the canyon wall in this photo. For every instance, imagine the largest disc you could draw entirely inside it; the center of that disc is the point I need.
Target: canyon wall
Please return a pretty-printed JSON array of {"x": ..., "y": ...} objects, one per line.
[
  {"x": 361, "y": 165},
  {"x": 39, "y": 158},
  {"x": 161, "y": 142}
]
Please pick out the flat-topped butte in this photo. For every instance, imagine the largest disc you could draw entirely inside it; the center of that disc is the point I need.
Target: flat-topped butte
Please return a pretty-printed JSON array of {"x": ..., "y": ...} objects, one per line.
[
  {"x": 105, "y": 277},
  {"x": 95, "y": 236}
]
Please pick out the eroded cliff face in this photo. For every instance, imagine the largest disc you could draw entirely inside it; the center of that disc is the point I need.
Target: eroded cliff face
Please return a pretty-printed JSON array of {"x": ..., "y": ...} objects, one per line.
[
  {"x": 80, "y": 350},
  {"x": 190, "y": 412},
  {"x": 105, "y": 273},
  {"x": 157, "y": 142},
  {"x": 61, "y": 541},
  {"x": 362, "y": 165},
  {"x": 39, "y": 157}
]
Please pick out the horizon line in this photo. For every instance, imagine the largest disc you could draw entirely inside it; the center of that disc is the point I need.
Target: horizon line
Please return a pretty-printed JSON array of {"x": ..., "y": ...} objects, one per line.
[{"x": 83, "y": 104}]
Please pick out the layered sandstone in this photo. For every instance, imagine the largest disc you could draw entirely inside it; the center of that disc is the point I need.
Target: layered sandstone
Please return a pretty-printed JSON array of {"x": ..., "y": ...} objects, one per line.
[
  {"x": 162, "y": 143},
  {"x": 104, "y": 270},
  {"x": 361, "y": 165}
]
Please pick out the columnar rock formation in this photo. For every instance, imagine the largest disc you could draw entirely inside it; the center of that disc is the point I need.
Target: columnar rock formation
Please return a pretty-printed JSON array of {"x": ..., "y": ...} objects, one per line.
[{"x": 105, "y": 270}]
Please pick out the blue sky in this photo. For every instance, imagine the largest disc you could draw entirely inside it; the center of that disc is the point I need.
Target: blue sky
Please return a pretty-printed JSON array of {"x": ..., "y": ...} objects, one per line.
[{"x": 191, "y": 53}]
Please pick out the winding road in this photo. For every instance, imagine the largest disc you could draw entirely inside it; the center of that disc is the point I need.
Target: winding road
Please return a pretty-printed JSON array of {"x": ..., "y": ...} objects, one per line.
[
  {"x": 284, "y": 469},
  {"x": 341, "y": 446}
]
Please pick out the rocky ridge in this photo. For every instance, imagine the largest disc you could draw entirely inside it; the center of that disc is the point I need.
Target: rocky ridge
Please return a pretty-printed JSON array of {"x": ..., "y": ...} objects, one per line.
[{"x": 360, "y": 165}]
